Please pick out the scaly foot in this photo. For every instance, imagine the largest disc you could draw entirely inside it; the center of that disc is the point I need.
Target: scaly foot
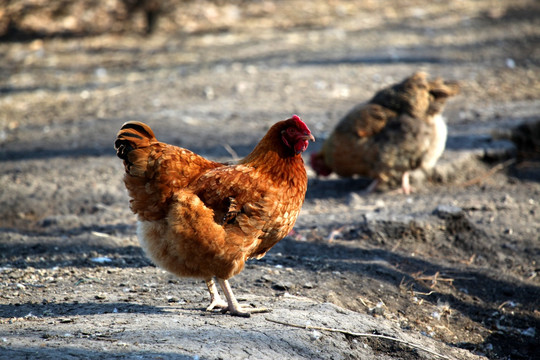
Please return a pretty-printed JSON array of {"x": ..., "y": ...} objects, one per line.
[
  {"x": 233, "y": 307},
  {"x": 216, "y": 302}
]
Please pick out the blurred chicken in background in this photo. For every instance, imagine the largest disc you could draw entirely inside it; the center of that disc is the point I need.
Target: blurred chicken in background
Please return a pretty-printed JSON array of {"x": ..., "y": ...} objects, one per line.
[{"x": 400, "y": 129}]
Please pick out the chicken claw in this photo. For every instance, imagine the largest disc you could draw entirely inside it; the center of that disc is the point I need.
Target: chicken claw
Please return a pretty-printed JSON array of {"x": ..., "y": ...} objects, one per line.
[
  {"x": 216, "y": 302},
  {"x": 234, "y": 307}
]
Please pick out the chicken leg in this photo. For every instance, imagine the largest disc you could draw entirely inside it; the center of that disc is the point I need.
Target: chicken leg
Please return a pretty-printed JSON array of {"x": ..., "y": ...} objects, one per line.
[
  {"x": 216, "y": 302},
  {"x": 234, "y": 307},
  {"x": 405, "y": 183}
]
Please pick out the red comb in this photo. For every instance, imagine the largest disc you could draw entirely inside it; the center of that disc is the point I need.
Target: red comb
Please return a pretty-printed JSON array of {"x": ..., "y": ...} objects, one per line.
[{"x": 299, "y": 123}]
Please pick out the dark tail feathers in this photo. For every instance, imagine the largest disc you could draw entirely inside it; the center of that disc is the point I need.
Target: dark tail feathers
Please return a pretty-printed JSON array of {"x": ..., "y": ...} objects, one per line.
[{"x": 133, "y": 135}]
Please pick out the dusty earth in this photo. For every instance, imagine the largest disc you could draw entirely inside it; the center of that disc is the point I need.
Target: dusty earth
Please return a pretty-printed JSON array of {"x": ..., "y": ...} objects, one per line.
[{"x": 452, "y": 268}]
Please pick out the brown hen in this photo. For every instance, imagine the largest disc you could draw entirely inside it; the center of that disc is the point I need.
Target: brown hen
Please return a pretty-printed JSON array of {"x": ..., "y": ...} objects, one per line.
[
  {"x": 203, "y": 219},
  {"x": 400, "y": 129}
]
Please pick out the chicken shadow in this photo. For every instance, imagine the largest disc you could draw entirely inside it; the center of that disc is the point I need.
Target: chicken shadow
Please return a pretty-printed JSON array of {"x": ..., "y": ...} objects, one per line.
[
  {"x": 487, "y": 290},
  {"x": 57, "y": 309},
  {"x": 77, "y": 247},
  {"x": 335, "y": 188},
  {"x": 334, "y": 257},
  {"x": 50, "y": 255},
  {"x": 30, "y": 352}
]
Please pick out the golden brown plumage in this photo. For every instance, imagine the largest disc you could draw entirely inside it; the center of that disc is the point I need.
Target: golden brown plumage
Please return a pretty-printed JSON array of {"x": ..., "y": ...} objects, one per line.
[
  {"x": 204, "y": 219},
  {"x": 398, "y": 130}
]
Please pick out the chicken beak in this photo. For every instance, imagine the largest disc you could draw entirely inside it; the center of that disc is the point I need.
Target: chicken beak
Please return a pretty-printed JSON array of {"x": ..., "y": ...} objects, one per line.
[{"x": 303, "y": 142}]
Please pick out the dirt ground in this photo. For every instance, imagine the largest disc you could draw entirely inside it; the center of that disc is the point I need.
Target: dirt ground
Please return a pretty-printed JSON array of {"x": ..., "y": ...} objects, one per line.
[{"x": 452, "y": 267}]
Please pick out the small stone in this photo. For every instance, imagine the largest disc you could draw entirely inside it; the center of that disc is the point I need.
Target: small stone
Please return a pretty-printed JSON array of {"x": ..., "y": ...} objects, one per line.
[
  {"x": 510, "y": 63},
  {"x": 315, "y": 335},
  {"x": 282, "y": 286},
  {"x": 530, "y": 332},
  {"x": 20, "y": 286},
  {"x": 445, "y": 211}
]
